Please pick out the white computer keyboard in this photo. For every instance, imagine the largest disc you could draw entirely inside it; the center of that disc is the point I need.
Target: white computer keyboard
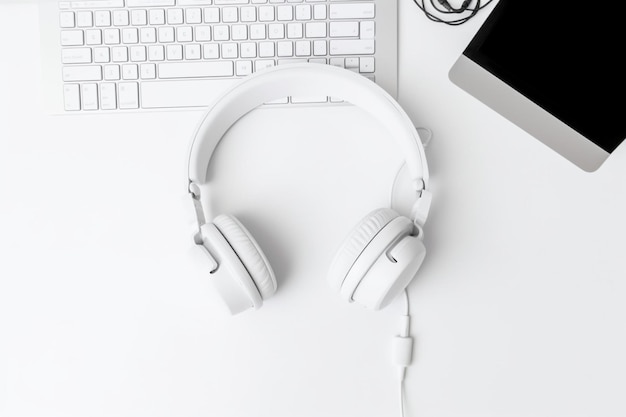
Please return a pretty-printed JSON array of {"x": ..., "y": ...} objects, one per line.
[{"x": 146, "y": 54}]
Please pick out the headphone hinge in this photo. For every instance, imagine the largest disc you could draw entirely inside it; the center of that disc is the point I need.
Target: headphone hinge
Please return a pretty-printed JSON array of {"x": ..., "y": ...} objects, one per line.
[
  {"x": 194, "y": 193},
  {"x": 421, "y": 208}
]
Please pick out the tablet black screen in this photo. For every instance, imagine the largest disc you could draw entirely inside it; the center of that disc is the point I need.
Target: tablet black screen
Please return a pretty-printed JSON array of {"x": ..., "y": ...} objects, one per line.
[{"x": 567, "y": 57}]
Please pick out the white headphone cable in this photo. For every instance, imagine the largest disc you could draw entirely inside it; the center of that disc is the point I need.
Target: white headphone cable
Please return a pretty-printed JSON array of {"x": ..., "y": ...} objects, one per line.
[
  {"x": 403, "y": 348},
  {"x": 403, "y": 343}
]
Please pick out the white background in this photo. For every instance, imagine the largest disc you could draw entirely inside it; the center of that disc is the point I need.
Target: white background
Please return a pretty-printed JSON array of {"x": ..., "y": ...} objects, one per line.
[{"x": 107, "y": 310}]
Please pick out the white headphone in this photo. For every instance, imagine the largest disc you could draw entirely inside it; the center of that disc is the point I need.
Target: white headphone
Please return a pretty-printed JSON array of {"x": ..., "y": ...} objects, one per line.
[{"x": 384, "y": 251}]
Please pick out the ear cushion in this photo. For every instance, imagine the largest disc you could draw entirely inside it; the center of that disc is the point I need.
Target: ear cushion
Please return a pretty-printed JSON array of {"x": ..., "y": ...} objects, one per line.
[
  {"x": 355, "y": 244},
  {"x": 249, "y": 253}
]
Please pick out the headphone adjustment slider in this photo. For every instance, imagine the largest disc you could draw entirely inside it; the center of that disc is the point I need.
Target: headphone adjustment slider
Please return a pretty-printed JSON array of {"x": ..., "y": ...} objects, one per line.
[
  {"x": 194, "y": 192},
  {"x": 421, "y": 208}
]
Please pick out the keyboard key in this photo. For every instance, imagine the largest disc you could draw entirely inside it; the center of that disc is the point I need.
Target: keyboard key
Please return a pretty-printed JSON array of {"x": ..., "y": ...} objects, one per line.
[
  {"x": 248, "y": 14},
  {"x": 344, "y": 29},
  {"x": 184, "y": 34},
  {"x": 355, "y": 10},
  {"x": 84, "y": 19},
  {"x": 130, "y": 35},
  {"x": 291, "y": 61},
  {"x": 194, "y": 15},
  {"x": 276, "y": 31},
  {"x": 203, "y": 33},
  {"x": 130, "y": 72},
  {"x": 243, "y": 68},
  {"x": 103, "y": 18},
  {"x": 119, "y": 54},
  {"x": 66, "y": 20},
  {"x": 89, "y": 96},
  {"x": 128, "y": 95},
  {"x": 71, "y": 37},
  {"x": 175, "y": 16},
  {"x": 319, "y": 48},
  {"x": 174, "y": 52},
  {"x": 111, "y": 72},
  {"x": 93, "y": 37},
  {"x": 138, "y": 17},
  {"x": 309, "y": 99},
  {"x": 368, "y": 29},
  {"x": 315, "y": 30},
  {"x": 192, "y": 51},
  {"x": 120, "y": 18},
  {"x": 156, "y": 17},
  {"x": 107, "y": 96},
  {"x": 150, "y": 3},
  {"x": 303, "y": 48},
  {"x": 166, "y": 34},
  {"x": 229, "y": 50},
  {"x": 266, "y": 49},
  {"x": 284, "y": 13},
  {"x": 266, "y": 14},
  {"x": 228, "y": 2},
  {"x": 366, "y": 64},
  {"x": 221, "y": 33},
  {"x": 338, "y": 62},
  {"x": 76, "y": 56},
  {"x": 82, "y": 73},
  {"x": 248, "y": 50},
  {"x": 294, "y": 30},
  {"x": 148, "y": 71},
  {"x": 211, "y": 15},
  {"x": 181, "y": 93},
  {"x": 111, "y": 36},
  {"x": 101, "y": 55},
  {"x": 352, "y": 62},
  {"x": 303, "y": 12},
  {"x": 257, "y": 32},
  {"x": 194, "y": 2},
  {"x": 92, "y": 4},
  {"x": 239, "y": 33},
  {"x": 230, "y": 15},
  {"x": 285, "y": 48},
  {"x": 147, "y": 35},
  {"x": 71, "y": 95},
  {"x": 319, "y": 12},
  {"x": 138, "y": 53},
  {"x": 351, "y": 47},
  {"x": 156, "y": 53},
  {"x": 211, "y": 51},
  {"x": 196, "y": 69},
  {"x": 263, "y": 63}
]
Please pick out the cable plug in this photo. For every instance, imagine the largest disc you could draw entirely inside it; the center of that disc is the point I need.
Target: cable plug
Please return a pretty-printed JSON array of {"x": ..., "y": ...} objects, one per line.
[{"x": 403, "y": 347}]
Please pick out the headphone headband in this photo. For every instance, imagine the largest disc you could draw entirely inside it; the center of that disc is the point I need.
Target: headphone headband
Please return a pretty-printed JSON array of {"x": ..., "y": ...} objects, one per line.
[{"x": 305, "y": 79}]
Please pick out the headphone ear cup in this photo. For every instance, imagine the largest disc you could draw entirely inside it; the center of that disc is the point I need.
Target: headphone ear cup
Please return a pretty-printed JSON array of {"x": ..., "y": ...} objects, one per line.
[
  {"x": 388, "y": 274},
  {"x": 355, "y": 243},
  {"x": 249, "y": 252},
  {"x": 378, "y": 259}
]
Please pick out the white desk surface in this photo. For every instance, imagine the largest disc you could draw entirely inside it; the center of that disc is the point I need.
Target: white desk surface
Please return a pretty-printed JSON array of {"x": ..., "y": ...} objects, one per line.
[{"x": 107, "y": 310}]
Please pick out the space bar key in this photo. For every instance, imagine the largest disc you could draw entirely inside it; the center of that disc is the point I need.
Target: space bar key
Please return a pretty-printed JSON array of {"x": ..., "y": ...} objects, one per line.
[
  {"x": 182, "y": 93},
  {"x": 196, "y": 69}
]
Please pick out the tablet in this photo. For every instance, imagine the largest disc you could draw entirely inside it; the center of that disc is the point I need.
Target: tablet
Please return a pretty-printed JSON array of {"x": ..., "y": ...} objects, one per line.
[{"x": 556, "y": 70}]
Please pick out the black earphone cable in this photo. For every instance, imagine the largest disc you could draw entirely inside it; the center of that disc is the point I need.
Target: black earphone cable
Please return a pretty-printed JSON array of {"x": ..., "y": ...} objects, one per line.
[{"x": 449, "y": 10}]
